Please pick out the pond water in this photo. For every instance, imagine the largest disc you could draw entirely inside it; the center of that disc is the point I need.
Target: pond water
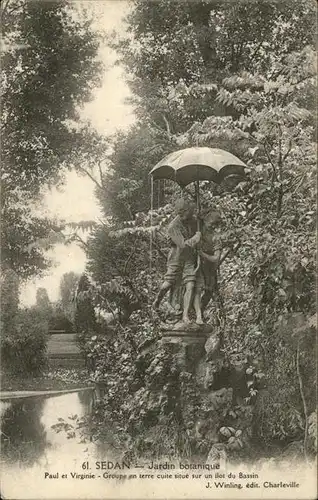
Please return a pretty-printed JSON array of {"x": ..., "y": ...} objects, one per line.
[
  {"x": 30, "y": 446},
  {"x": 31, "y": 449}
]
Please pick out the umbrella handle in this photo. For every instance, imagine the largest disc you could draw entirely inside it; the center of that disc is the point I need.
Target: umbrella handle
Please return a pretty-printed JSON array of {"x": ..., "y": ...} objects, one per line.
[{"x": 197, "y": 194}]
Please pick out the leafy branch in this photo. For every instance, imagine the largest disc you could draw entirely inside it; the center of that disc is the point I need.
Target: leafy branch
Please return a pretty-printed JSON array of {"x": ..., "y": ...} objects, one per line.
[{"x": 86, "y": 172}]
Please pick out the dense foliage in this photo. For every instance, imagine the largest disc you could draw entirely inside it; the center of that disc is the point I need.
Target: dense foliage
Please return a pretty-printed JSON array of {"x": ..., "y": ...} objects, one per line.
[
  {"x": 177, "y": 54},
  {"x": 49, "y": 69},
  {"x": 23, "y": 331},
  {"x": 240, "y": 77},
  {"x": 23, "y": 351}
]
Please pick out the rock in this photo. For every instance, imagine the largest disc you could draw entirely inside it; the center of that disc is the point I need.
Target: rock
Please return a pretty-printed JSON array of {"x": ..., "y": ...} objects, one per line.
[
  {"x": 217, "y": 454},
  {"x": 200, "y": 372},
  {"x": 234, "y": 444},
  {"x": 221, "y": 398},
  {"x": 180, "y": 326},
  {"x": 212, "y": 345},
  {"x": 147, "y": 345},
  {"x": 209, "y": 377},
  {"x": 225, "y": 431}
]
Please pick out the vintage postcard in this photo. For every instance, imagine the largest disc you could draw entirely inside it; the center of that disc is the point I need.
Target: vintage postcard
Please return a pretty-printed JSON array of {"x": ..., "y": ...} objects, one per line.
[{"x": 158, "y": 249}]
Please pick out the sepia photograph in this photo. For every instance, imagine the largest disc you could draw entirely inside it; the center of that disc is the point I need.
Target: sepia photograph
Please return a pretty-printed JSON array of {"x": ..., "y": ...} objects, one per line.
[{"x": 158, "y": 249}]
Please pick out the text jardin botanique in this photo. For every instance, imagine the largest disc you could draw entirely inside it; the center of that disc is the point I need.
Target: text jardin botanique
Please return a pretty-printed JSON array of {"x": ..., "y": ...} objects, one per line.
[{"x": 108, "y": 465}]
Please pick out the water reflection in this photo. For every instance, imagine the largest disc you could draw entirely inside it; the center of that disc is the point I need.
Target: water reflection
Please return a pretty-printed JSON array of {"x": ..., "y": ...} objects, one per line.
[
  {"x": 31, "y": 447},
  {"x": 86, "y": 400},
  {"x": 27, "y": 437},
  {"x": 23, "y": 436}
]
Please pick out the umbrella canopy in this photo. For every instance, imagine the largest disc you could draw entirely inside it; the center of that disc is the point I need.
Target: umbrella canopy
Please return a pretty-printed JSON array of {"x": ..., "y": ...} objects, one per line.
[{"x": 198, "y": 164}]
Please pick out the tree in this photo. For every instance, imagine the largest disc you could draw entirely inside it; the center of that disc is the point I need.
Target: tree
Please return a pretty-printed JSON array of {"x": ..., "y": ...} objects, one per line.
[
  {"x": 21, "y": 229},
  {"x": 59, "y": 320},
  {"x": 45, "y": 78},
  {"x": 176, "y": 55},
  {"x": 24, "y": 352},
  {"x": 68, "y": 287},
  {"x": 271, "y": 279},
  {"x": 24, "y": 331},
  {"x": 49, "y": 69},
  {"x": 43, "y": 304},
  {"x": 189, "y": 44},
  {"x": 126, "y": 188},
  {"x": 9, "y": 301},
  {"x": 85, "y": 319}
]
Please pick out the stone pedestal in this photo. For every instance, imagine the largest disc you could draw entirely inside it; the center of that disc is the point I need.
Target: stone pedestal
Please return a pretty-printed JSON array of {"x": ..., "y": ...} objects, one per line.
[{"x": 188, "y": 341}]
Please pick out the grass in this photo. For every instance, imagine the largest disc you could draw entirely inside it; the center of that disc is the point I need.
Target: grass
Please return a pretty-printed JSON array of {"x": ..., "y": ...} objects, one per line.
[{"x": 63, "y": 344}]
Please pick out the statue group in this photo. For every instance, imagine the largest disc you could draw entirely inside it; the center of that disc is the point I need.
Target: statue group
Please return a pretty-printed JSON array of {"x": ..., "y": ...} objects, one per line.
[{"x": 192, "y": 263}]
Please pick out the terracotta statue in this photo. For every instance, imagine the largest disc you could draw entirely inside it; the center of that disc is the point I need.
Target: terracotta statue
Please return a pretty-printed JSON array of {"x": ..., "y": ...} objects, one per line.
[
  {"x": 200, "y": 271},
  {"x": 192, "y": 262},
  {"x": 206, "y": 280},
  {"x": 181, "y": 263}
]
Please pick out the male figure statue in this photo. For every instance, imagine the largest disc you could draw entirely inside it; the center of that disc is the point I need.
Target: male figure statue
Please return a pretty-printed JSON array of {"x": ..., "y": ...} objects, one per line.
[{"x": 183, "y": 239}]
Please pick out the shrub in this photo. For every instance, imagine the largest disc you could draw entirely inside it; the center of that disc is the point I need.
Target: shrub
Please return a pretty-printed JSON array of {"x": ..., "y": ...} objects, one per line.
[{"x": 23, "y": 350}]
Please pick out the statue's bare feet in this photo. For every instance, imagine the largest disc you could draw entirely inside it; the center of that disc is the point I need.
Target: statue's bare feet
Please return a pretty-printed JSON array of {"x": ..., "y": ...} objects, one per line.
[
  {"x": 199, "y": 321},
  {"x": 186, "y": 319}
]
